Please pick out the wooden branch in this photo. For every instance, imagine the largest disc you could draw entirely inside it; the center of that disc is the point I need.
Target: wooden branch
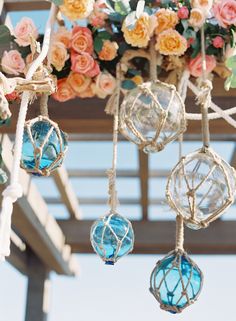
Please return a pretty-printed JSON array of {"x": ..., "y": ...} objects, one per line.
[{"x": 143, "y": 170}]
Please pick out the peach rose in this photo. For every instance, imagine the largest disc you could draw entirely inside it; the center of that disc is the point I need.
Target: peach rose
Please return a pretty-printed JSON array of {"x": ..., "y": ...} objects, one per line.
[
  {"x": 98, "y": 16},
  {"x": 62, "y": 35},
  {"x": 64, "y": 91},
  {"x": 88, "y": 93},
  {"x": 109, "y": 50},
  {"x": 24, "y": 30},
  {"x": 85, "y": 64},
  {"x": 58, "y": 55},
  {"x": 78, "y": 82},
  {"x": 140, "y": 33},
  {"x": 203, "y": 5},
  {"x": 225, "y": 12},
  {"x": 12, "y": 62},
  {"x": 82, "y": 40},
  {"x": 166, "y": 19},
  {"x": 197, "y": 18},
  {"x": 77, "y": 9},
  {"x": 104, "y": 85},
  {"x": 195, "y": 65},
  {"x": 170, "y": 42}
]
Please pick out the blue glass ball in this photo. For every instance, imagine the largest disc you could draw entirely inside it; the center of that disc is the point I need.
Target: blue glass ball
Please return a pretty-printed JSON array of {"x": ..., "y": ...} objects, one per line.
[
  {"x": 112, "y": 237},
  {"x": 176, "y": 282},
  {"x": 44, "y": 146}
]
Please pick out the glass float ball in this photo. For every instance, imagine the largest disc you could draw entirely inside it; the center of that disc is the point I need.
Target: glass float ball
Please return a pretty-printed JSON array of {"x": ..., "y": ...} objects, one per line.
[
  {"x": 176, "y": 282},
  {"x": 201, "y": 187},
  {"x": 152, "y": 115},
  {"x": 44, "y": 146},
  {"x": 112, "y": 237}
]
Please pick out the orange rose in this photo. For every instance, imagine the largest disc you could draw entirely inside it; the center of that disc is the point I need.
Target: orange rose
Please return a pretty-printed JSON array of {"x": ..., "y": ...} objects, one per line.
[
  {"x": 82, "y": 40},
  {"x": 166, "y": 19},
  {"x": 77, "y": 9},
  {"x": 58, "y": 55},
  {"x": 109, "y": 50},
  {"x": 64, "y": 91},
  {"x": 197, "y": 18},
  {"x": 78, "y": 82},
  {"x": 88, "y": 93},
  {"x": 140, "y": 33},
  {"x": 62, "y": 35},
  {"x": 170, "y": 42}
]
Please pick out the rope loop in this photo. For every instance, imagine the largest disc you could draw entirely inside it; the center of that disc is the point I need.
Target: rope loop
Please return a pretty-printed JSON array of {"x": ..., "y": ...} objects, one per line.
[{"x": 13, "y": 191}]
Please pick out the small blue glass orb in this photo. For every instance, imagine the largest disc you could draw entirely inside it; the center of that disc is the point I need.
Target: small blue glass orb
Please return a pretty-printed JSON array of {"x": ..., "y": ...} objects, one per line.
[
  {"x": 44, "y": 146},
  {"x": 176, "y": 282},
  {"x": 112, "y": 237}
]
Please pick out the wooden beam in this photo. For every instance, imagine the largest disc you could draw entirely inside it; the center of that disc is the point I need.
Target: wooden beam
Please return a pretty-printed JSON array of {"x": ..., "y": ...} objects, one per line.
[
  {"x": 19, "y": 254},
  {"x": 68, "y": 196},
  {"x": 143, "y": 172},
  {"x": 158, "y": 237},
  {"x": 26, "y": 5},
  {"x": 125, "y": 173},
  {"x": 34, "y": 224},
  {"x": 37, "y": 304}
]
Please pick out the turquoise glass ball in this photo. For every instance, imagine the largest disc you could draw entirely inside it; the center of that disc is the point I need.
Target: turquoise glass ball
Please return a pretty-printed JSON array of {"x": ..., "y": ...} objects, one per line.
[
  {"x": 112, "y": 237},
  {"x": 176, "y": 282},
  {"x": 44, "y": 146}
]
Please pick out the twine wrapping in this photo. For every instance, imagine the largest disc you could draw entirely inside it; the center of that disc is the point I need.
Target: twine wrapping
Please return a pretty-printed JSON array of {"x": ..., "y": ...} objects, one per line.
[
  {"x": 44, "y": 105},
  {"x": 153, "y": 60}
]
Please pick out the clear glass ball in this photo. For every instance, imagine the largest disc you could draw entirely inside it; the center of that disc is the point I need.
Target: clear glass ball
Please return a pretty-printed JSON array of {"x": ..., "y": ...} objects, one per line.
[
  {"x": 176, "y": 282},
  {"x": 112, "y": 237},
  {"x": 201, "y": 187},
  {"x": 152, "y": 115},
  {"x": 32, "y": 160}
]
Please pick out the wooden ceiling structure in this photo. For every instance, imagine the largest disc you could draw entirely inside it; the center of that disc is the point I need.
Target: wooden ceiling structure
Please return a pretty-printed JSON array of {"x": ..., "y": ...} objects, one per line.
[{"x": 41, "y": 244}]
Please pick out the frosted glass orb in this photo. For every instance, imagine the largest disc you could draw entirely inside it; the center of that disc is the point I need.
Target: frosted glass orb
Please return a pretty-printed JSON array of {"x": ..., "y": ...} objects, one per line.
[
  {"x": 112, "y": 237},
  {"x": 44, "y": 146},
  {"x": 152, "y": 115},
  {"x": 201, "y": 187},
  {"x": 176, "y": 282}
]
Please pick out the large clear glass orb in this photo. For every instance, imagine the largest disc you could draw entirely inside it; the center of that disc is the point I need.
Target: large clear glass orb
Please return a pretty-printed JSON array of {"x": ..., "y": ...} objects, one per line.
[
  {"x": 112, "y": 237},
  {"x": 44, "y": 146},
  {"x": 152, "y": 115},
  {"x": 176, "y": 282},
  {"x": 201, "y": 187}
]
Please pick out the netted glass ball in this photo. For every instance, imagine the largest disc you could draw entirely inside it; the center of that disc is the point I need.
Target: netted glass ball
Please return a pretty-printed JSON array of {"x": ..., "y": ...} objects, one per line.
[
  {"x": 176, "y": 282},
  {"x": 201, "y": 187},
  {"x": 44, "y": 146},
  {"x": 152, "y": 115},
  {"x": 112, "y": 237}
]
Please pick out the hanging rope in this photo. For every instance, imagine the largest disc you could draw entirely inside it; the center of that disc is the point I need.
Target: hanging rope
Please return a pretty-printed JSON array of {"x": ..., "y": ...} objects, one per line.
[
  {"x": 14, "y": 190},
  {"x": 153, "y": 60},
  {"x": 113, "y": 200},
  {"x": 44, "y": 105}
]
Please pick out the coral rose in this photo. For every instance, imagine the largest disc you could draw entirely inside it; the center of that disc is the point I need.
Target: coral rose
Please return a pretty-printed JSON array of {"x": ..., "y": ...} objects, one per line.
[
  {"x": 58, "y": 55},
  {"x": 82, "y": 40},
  {"x": 24, "y": 30},
  {"x": 12, "y": 62},
  {"x": 195, "y": 65},
  {"x": 62, "y": 35},
  {"x": 85, "y": 64},
  {"x": 225, "y": 12},
  {"x": 64, "y": 91},
  {"x": 77, "y": 9},
  {"x": 109, "y": 50},
  {"x": 183, "y": 13},
  {"x": 170, "y": 42},
  {"x": 78, "y": 82},
  {"x": 104, "y": 85},
  {"x": 139, "y": 34},
  {"x": 197, "y": 18},
  {"x": 166, "y": 19}
]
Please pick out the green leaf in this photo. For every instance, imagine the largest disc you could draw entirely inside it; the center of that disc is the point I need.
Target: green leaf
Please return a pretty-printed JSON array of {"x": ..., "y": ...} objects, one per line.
[
  {"x": 5, "y": 34},
  {"x": 57, "y": 2},
  {"x": 128, "y": 84},
  {"x": 122, "y": 8},
  {"x": 104, "y": 35},
  {"x": 3, "y": 176},
  {"x": 98, "y": 44}
]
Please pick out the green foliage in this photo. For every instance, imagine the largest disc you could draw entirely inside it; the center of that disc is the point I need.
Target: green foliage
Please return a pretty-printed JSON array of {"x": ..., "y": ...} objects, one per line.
[
  {"x": 5, "y": 35},
  {"x": 128, "y": 84}
]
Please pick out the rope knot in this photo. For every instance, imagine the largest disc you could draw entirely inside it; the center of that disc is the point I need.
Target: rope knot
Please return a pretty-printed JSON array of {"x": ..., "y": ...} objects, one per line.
[
  {"x": 13, "y": 191},
  {"x": 204, "y": 96}
]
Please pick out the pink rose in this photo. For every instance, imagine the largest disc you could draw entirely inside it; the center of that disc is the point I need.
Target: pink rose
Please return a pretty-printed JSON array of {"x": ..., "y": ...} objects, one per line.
[
  {"x": 104, "y": 85},
  {"x": 195, "y": 65},
  {"x": 24, "y": 30},
  {"x": 98, "y": 16},
  {"x": 218, "y": 42},
  {"x": 183, "y": 13},
  {"x": 85, "y": 64},
  {"x": 12, "y": 62},
  {"x": 82, "y": 40},
  {"x": 64, "y": 91},
  {"x": 225, "y": 12}
]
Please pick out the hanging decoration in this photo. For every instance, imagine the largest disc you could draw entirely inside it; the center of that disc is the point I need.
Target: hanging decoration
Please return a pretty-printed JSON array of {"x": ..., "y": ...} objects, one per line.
[
  {"x": 112, "y": 236},
  {"x": 176, "y": 280}
]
